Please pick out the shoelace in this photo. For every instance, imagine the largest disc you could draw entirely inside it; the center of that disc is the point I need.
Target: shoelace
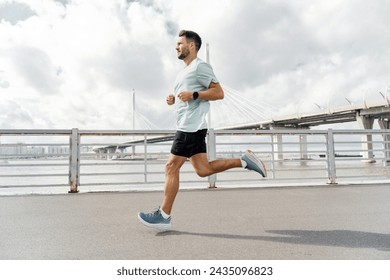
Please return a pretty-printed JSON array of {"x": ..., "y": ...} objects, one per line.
[{"x": 153, "y": 213}]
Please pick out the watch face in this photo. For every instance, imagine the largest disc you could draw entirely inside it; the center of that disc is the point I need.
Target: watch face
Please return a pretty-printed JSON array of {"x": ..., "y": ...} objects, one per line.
[{"x": 195, "y": 95}]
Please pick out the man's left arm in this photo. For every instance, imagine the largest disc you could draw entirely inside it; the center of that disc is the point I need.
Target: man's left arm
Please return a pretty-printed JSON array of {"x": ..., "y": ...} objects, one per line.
[{"x": 214, "y": 92}]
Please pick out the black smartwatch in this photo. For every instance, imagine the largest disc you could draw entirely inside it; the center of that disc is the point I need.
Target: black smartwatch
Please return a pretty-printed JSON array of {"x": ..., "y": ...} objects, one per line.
[{"x": 195, "y": 95}]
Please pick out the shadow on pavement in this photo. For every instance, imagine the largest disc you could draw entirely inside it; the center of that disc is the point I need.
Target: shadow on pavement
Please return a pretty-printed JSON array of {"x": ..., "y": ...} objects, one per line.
[{"x": 332, "y": 238}]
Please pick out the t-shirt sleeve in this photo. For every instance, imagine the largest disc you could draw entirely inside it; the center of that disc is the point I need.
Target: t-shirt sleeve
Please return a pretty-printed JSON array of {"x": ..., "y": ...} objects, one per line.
[{"x": 205, "y": 75}]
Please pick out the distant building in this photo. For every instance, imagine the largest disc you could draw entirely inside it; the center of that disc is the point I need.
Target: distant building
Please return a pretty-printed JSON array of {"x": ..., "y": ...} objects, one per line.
[
  {"x": 22, "y": 150},
  {"x": 58, "y": 150}
]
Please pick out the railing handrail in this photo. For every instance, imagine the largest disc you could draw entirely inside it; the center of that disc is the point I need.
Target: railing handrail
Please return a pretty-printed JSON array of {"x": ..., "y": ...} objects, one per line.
[
  {"x": 163, "y": 131},
  {"x": 35, "y": 131}
]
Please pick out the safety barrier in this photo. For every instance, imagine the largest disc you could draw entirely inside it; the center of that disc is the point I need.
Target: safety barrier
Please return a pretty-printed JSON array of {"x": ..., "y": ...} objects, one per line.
[{"x": 106, "y": 160}]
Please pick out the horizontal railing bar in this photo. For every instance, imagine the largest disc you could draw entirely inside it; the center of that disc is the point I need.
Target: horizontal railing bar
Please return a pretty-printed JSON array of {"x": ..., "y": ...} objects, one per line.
[
  {"x": 115, "y": 163},
  {"x": 34, "y": 186},
  {"x": 264, "y": 143},
  {"x": 359, "y": 142},
  {"x": 169, "y": 132},
  {"x": 357, "y": 150},
  {"x": 114, "y": 183},
  {"x": 288, "y": 132},
  {"x": 125, "y": 132},
  {"x": 142, "y": 183},
  {"x": 33, "y": 165},
  {"x": 34, "y": 144},
  {"x": 363, "y": 168},
  {"x": 280, "y": 171},
  {"x": 269, "y": 180},
  {"x": 114, "y": 173},
  {"x": 43, "y": 132},
  {"x": 379, "y": 176},
  {"x": 40, "y": 155},
  {"x": 131, "y": 173},
  {"x": 269, "y": 132},
  {"x": 310, "y": 152},
  {"x": 33, "y": 175},
  {"x": 357, "y": 158}
]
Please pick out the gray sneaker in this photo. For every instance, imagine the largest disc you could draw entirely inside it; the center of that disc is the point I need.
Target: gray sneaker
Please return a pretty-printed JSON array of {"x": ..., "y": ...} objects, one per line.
[
  {"x": 254, "y": 163},
  {"x": 155, "y": 220}
]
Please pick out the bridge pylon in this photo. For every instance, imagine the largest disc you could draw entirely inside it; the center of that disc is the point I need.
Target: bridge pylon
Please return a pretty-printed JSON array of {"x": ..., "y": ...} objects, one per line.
[
  {"x": 367, "y": 123},
  {"x": 385, "y": 124}
]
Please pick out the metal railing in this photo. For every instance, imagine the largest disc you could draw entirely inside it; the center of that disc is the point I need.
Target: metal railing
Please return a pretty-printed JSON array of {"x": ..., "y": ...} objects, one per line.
[{"x": 99, "y": 160}]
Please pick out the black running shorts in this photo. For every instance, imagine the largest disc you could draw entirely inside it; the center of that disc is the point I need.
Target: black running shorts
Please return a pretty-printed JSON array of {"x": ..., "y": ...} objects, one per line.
[{"x": 187, "y": 144}]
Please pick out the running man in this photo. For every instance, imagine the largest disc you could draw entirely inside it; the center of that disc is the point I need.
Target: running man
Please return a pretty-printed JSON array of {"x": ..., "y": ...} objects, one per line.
[{"x": 194, "y": 87}]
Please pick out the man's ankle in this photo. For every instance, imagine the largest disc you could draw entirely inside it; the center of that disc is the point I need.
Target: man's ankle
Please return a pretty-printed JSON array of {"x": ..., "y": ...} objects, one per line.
[{"x": 165, "y": 215}]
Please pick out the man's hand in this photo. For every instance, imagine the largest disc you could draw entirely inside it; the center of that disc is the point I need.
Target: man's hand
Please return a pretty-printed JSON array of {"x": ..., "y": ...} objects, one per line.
[
  {"x": 170, "y": 99},
  {"x": 185, "y": 96}
]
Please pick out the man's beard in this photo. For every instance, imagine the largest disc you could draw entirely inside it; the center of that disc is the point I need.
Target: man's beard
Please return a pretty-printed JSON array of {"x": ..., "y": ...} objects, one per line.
[{"x": 184, "y": 54}]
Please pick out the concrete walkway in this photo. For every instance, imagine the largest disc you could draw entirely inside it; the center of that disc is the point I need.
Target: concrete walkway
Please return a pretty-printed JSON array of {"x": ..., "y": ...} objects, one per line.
[{"x": 331, "y": 222}]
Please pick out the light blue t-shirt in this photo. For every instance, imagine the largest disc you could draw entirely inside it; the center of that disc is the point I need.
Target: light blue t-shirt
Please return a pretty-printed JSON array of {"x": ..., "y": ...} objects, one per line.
[{"x": 191, "y": 115}]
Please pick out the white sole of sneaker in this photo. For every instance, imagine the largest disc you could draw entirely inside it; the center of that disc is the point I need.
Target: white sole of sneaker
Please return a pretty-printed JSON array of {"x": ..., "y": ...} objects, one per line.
[{"x": 253, "y": 157}]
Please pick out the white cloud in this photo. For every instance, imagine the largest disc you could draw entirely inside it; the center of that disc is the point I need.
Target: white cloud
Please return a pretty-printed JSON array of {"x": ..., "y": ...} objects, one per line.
[{"x": 75, "y": 63}]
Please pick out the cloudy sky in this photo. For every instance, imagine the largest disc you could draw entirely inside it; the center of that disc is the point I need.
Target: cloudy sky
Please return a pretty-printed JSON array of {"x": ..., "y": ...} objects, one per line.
[{"x": 75, "y": 63}]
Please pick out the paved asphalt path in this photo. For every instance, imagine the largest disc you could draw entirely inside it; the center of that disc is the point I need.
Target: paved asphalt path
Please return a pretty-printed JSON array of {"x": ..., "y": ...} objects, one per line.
[{"x": 298, "y": 223}]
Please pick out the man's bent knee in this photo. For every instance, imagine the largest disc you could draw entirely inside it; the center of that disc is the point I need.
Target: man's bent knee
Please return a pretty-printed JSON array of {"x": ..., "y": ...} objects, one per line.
[{"x": 203, "y": 172}]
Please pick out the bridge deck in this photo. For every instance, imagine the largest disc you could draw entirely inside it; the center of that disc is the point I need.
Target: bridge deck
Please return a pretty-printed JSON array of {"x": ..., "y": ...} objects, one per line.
[{"x": 342, "y": 222}]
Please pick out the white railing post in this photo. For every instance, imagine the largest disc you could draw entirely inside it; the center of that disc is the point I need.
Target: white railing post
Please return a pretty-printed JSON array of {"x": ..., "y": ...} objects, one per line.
[
  {"x": 331, "y": 158},
  {"x": 74, "y": 161},
  {"x": 145, "y": 158},
  {"x": 303, "y": 146},
  {"x": 212, "y": 154}
]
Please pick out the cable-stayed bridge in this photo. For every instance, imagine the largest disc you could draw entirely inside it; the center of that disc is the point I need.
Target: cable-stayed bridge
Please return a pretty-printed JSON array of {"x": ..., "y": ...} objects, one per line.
[
  {"x": 362, "y": 113},
  {"x": 252, "y": 114}
]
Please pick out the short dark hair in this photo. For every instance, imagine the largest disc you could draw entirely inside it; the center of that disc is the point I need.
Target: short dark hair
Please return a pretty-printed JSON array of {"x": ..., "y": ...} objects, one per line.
[{"x": 192, "y": 36}]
